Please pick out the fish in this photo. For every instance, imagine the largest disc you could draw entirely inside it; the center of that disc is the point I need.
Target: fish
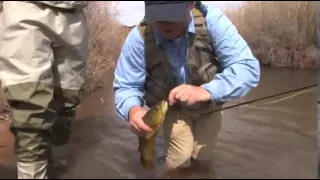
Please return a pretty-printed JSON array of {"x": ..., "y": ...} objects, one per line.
[{"x": 154, "y": 118}]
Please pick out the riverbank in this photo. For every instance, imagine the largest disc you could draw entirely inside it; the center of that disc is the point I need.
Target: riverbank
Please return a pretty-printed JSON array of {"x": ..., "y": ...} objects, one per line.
[{"x": 280, "y": 34}]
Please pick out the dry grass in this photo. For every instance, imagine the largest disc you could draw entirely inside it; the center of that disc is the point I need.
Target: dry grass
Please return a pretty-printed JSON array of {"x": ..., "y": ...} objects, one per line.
[
  {"x": 281, "y": 34},
  {"x": 107, "y": 37}
]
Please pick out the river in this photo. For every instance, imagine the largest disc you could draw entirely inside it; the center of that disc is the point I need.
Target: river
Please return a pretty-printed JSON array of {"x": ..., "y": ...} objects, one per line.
[{"x": 258, "y": 140}]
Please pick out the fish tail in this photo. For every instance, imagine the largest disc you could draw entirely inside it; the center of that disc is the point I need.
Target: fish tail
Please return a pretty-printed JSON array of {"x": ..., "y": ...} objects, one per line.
[
  {"x": 148, "y": 165},
  {"x": 147, "y": 151}
]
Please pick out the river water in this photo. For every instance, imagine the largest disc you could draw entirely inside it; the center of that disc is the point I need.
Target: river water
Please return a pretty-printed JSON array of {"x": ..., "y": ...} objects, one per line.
[{"x": 258, "y": 140}]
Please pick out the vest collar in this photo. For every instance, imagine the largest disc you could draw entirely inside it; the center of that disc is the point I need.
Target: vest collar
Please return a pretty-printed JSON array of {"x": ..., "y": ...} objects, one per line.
[{"x": 191, "y": 31}]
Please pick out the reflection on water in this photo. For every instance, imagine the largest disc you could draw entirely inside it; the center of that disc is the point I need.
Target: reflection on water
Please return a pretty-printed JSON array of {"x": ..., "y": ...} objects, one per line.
[{"x": 257, "y": 140}]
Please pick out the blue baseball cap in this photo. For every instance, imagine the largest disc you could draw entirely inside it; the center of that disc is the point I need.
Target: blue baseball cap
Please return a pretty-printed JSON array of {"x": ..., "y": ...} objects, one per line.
[{"x": 169, "y": 11}]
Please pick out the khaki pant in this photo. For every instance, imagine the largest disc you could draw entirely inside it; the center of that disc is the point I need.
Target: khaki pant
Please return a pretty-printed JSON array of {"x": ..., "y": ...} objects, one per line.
[
  {"x": 43, "y": 56},
  {"x": 190, "y": 135}
]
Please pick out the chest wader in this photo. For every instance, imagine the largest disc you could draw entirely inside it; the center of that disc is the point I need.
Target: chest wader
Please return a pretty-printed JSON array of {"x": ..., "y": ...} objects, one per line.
[
  {"x": 42, "y": 64},
  {"x": 202, "y": 64}
]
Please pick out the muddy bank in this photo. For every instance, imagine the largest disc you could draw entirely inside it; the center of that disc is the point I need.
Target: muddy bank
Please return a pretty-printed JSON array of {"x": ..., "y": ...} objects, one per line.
[{"x": 277, "y": 140}]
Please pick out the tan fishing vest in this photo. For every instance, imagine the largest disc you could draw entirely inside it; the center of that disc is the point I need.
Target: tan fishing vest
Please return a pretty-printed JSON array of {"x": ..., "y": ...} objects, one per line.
[{"x": 202, "y": 64}]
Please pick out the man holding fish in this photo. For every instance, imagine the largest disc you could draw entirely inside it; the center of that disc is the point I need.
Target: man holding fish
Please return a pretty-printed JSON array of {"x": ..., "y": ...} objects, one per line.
[{"x": 191, "y": 56}]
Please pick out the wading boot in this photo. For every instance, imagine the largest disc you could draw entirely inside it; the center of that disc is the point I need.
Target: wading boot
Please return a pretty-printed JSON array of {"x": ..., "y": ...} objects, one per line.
[{"x": 32, "y": 170}]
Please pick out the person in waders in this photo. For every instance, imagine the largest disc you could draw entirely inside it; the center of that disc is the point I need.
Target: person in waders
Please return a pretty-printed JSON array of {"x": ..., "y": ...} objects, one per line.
[
  {"x": 43, "y": 56},
  {"x": 193, "y": 56}
]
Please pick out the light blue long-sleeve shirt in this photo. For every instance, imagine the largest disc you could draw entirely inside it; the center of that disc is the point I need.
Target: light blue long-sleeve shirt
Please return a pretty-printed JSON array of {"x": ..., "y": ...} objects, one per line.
[{"x": 241, "y": 70}]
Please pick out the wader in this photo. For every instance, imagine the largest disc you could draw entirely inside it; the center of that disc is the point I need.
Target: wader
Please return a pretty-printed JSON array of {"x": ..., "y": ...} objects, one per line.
[{"x": 43, "y": 57}]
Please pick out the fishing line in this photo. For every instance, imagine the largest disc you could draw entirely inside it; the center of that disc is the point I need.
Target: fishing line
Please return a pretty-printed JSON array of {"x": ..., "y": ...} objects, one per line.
[
  {"x": 296, "y": 94},
  {"x": 271, "y": 96}
]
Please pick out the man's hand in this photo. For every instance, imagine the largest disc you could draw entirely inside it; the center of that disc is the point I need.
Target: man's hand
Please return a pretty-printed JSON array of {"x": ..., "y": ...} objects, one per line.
[
  {"x": 135, "y": 119},
  {"x": 189, "y": 94}
]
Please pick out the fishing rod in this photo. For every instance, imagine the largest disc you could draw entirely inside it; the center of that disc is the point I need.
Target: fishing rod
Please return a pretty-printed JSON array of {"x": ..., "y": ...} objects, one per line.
[{"x": 263, "y": 98}]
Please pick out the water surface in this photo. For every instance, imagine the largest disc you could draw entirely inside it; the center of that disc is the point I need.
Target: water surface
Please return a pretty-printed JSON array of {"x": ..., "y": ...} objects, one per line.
[{"x": 256, "y": 141}]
